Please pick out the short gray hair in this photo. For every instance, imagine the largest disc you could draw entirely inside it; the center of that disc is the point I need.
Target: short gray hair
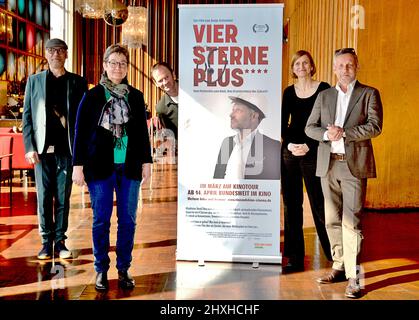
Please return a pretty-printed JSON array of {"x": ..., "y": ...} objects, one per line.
[
  {"x": 351, "y": 51},
  {"x": 116, "y": 48}
]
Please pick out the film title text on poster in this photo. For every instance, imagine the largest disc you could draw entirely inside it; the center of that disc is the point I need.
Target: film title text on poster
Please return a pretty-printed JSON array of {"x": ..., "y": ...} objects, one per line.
[{"x": 219, "y": 61}]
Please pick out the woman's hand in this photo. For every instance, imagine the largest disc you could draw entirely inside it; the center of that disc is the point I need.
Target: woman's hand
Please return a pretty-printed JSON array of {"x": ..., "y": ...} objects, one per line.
[
  {"x": 78, "y": 176},
  {"x": 298, "y": 150}
]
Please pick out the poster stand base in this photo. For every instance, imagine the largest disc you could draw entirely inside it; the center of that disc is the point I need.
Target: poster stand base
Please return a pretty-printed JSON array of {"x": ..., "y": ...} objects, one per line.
[
  {"x": 256, "y": 261},
  {"x": 201, "y": 263}
]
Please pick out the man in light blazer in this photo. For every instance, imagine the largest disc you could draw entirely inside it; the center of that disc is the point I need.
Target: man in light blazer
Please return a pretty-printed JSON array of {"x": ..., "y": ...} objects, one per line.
[
  {"x": 50, "y": 107},
  {"x": 343, "y": 120},
  {"x": 249, "y": 154}
]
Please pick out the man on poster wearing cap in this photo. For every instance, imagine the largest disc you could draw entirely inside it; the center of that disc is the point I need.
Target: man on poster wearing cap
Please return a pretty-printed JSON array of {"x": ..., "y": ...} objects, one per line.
[
  {"x": 248, "y": 154},
  {"x": 50, "y": 106}
]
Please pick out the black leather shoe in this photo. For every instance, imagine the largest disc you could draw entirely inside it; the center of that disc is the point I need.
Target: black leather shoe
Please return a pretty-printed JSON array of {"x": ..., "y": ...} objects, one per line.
[
  {"x": 125, "y": 280},
  {"x": 102, "y": 281},
  {"x": 293, "y": 266}
]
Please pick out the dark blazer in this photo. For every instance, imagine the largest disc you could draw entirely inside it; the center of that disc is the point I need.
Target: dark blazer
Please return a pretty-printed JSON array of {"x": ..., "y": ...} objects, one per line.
[
  {"x": 363, "y": 121},
  {"x": 260, "y": 165},
  {"x": 34, "y": 112},
  {"x": 93, "y": 145}
]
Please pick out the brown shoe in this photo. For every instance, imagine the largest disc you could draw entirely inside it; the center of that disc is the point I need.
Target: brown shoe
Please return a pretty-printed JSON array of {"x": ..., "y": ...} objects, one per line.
[
  {"x": 353, "y": 290},
  {"x": 333, "y": 277}
]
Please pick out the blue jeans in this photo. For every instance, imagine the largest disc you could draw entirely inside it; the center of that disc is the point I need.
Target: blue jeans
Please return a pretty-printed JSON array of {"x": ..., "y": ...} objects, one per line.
[
  {"x": 53, "y": 189},
  {"x": 101, "y": 196}
]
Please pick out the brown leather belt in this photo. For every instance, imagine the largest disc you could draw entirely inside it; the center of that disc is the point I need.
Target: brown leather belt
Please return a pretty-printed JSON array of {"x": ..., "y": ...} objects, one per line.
[{"x": 338, "y": 156}]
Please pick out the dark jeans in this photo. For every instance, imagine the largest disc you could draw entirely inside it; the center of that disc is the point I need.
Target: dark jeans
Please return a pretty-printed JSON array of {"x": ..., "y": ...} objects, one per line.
[
  {"x": 53, "y": 178},
  {"x": 101, "y": 196},
  {"x": 295, "y": 169}
]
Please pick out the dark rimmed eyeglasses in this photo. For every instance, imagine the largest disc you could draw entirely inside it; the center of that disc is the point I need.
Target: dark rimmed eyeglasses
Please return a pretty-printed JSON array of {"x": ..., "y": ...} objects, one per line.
[
  {"x": 338, "y": 52},
  {"x": 114, "y": 64},
  {"x": 51, "y": 51}
]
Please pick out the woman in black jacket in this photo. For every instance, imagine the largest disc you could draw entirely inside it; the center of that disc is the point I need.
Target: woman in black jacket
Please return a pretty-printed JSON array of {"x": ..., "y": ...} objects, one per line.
[
  {"x": 298, "y": 163},
  {"x": 112, "y": 152}
]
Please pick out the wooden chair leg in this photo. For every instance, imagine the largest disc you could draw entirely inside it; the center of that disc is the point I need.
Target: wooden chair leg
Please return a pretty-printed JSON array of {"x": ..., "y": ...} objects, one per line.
[{"x": 10, "y": 184}]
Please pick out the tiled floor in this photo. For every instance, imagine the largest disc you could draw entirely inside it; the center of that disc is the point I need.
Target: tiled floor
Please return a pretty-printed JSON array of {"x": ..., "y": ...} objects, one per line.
[{"x": 390, "y": 268}]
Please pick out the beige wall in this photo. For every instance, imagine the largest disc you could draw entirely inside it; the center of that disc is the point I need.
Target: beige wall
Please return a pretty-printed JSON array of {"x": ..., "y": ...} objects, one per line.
[
  {"x": 389, "y": 52},
  {"x": 389, "y": 55},
  {"x": 320, "y": 27}
]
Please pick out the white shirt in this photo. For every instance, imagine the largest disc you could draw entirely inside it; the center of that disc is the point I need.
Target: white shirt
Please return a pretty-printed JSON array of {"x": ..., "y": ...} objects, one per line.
[
  {"x": 237, "y": 162},
  {"x": 341, "y": 109},
  {"x": 175, "y": 99}
]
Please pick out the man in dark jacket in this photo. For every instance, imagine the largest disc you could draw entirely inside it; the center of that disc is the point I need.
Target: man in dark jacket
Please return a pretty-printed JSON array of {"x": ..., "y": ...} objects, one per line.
[{"x": 50, "y": 107}]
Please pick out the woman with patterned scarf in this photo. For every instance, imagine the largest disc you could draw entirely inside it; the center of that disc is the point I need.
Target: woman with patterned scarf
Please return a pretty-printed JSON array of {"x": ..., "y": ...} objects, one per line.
[{"x": 112, "y": 153}]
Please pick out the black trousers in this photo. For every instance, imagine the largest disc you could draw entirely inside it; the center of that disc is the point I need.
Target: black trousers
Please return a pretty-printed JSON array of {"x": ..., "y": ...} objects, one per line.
[
  {"x": 53, "y": 178},
  {"x": 295, "y": 169}
]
